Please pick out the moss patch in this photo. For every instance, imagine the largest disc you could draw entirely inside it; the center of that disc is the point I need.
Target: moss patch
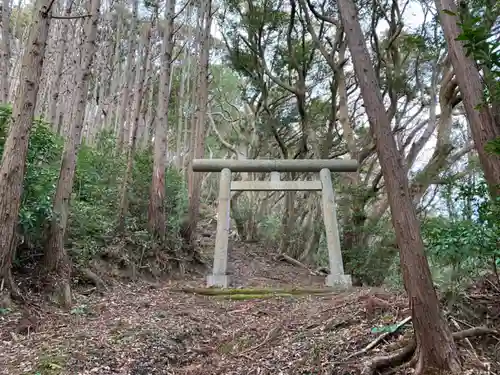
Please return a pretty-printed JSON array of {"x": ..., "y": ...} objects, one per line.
[
  {"x": 256, "y": 291},
  {"x": 242, "y": 297}
]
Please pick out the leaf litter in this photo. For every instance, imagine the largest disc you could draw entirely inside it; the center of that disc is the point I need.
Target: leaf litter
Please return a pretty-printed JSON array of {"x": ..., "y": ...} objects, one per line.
[{"x": 141, "y": 329}]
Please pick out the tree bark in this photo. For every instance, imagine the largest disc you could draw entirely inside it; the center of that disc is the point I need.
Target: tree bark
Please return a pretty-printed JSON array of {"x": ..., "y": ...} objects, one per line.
[
  {"x": 482, "y": 124},
  {"x": 56, "y": 261},
  {"x": 5, "y": 52},
  {"x": 16, "y": 146},
  {"x": 436, "y": 349},
  {"x": 56, "y": 86},
  {"x": 139, "y": 89},
  {"x": 198, "y": 145},
  {"x": 156, "y": 212},
  {"x": 121, "y": 118}
]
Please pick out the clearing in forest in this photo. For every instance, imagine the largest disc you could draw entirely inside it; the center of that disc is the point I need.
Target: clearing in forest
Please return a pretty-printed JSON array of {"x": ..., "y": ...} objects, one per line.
[{"x": 144, "y": 328}]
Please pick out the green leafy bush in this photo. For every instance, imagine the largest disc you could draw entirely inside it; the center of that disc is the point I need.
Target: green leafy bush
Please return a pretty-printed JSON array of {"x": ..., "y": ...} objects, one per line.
[
  {"x": 464, "y": 244},
  {"x": 481, "y": 43},
  {"x": 42, "y": 170},
  {"x": 96, "y": 191}
]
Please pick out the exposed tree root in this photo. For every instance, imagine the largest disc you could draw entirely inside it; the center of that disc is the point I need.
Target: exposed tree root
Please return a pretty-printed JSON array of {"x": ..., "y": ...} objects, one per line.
[
  {"x": 93, "y": 278},
  {"x": 390, "y": 360},
  {"x": 65, "y": 294},
  {"x": 404, "y": 354},
  {"x": 58, "y": 289},
  {"x": 9, "y": 291}
]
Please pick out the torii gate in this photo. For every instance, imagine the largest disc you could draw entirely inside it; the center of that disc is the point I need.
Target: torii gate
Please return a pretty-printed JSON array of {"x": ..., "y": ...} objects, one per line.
[{"x": 219, "y": 277}]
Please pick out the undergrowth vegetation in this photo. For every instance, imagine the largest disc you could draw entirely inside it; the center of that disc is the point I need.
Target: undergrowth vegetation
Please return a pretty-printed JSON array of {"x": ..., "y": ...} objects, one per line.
[
  {"x": 463, "y": 244},
  {"x": 94, "y": 206},
  {"x": 461, "y": 236}
]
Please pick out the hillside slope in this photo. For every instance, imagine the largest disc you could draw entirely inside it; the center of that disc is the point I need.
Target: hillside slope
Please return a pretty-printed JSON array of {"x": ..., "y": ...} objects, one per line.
[{"x": 145, "y": 328}]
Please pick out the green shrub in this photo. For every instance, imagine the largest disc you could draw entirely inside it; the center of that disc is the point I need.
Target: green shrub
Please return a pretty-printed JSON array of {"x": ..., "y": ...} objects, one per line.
[
  {"x": 42, "y": 170},
  {"x": 96, "y": 192},
  {"x": 463, "y": 244}
]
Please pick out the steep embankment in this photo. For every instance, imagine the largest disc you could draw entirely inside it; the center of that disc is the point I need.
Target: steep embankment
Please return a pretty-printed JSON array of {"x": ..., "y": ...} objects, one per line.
[{"x": 142, "y": 329}]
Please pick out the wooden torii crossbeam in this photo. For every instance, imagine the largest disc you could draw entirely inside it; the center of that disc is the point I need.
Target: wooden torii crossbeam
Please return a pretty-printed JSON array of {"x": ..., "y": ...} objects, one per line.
[{"x": 219, "y": 276}]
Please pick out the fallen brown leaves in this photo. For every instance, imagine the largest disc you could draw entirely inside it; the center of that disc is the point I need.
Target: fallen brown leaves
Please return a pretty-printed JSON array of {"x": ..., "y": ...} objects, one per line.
[{"x": 139, "y": 330}]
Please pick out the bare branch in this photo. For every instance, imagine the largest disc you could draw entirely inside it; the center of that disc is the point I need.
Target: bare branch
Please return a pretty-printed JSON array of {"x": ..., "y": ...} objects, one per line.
[
  {"x": 322, "y": 17},
  {"x": 217, "y": 133}
]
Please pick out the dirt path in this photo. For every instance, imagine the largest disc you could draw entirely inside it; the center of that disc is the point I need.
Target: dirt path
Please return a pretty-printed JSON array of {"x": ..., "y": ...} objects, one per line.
[{"x": 140, "y": 329}]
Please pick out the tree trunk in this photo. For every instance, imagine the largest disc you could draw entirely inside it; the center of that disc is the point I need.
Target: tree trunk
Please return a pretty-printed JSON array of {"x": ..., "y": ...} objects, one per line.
[
  {"x": 139, "y": 89},
  {"x": 156, "y": 212},
  {"x": 200, "y": 117},
  {"x": 59, "y": 65},
  {"x": 16, "y": 146},
  {"x": 183, "y": 97},
  {"x": 145, "y": 103},
  {"x": 5, "y": 52},
  {"x": 150, "y": 114},
  {"x": 121, "y": 119},
  {"x": 20, "y": 43},
  {"x": 113, "y": 99},
  {"x": 483, "y": 127},
  {"x": 436, "y": 349},
  {"x": 352, "y": 201},
  {"x": 56, "y": 261}
]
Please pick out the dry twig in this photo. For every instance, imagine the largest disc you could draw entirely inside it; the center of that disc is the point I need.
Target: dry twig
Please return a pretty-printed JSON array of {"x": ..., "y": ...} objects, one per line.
[
  {"x": 295, "y": 262},
  {"x": 375, "y": 342},
  {"x": 273, "y": 333}
]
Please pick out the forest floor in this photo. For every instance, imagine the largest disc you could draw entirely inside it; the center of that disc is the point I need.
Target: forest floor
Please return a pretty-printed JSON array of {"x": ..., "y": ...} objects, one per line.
[{"x": 144, "y": 328}]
